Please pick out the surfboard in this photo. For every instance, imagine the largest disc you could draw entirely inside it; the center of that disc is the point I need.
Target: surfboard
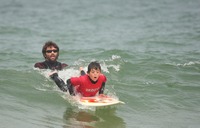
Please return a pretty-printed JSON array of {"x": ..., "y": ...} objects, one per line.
[{"x": 102, "y": 100}]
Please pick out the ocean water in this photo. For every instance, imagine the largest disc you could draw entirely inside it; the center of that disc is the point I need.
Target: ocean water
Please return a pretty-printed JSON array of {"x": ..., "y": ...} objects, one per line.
[{"x": 149, "y": 51}]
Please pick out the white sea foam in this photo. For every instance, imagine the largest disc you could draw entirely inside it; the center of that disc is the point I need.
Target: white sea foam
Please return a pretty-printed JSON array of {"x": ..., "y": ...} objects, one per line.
[
  {"x": 189, "y": 63},
  {"x": 115, "y": 57}
]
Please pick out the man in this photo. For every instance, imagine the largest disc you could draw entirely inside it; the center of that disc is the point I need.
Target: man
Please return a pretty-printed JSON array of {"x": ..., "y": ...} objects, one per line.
[{"x": 50, "y": 52}]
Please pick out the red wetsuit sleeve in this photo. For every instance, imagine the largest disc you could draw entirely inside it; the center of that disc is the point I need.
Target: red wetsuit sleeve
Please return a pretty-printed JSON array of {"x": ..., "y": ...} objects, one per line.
[
  {"x": 75, "y": 81},
  {"x": 105, "y": 79}
]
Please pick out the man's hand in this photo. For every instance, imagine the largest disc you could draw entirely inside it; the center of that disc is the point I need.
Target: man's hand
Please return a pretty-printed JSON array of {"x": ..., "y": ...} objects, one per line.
[
  {"x": 54, "y": 72},
  {"x": 81, "y": 68}
]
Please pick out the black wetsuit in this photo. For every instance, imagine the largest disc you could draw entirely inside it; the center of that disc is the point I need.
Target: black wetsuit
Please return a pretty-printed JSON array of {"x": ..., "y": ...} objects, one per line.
[
  {"x": 53, "y": 66},
  {"x": 50, "y": 65}
]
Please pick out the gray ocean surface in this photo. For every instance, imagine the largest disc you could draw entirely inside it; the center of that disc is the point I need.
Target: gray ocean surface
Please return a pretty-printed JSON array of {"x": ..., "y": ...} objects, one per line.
[{"x": 149, "y": 50}]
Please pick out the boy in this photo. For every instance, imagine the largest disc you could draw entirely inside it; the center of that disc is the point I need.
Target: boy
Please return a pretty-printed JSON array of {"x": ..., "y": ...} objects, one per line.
[{"x": 89, "y": 84}]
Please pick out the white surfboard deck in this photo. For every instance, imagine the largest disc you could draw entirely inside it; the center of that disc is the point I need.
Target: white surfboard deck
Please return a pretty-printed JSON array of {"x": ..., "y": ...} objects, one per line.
[{"x": 99, "y": 101}]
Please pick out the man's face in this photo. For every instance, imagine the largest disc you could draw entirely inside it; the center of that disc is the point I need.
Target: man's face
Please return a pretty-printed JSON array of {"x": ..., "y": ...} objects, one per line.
[
  {"x": 51, "y": 53},
  {"x": 94, "y": 74}
]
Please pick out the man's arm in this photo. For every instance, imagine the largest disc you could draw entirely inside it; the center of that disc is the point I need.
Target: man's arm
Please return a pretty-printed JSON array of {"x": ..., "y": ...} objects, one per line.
[{"x": 59, "y": 82}]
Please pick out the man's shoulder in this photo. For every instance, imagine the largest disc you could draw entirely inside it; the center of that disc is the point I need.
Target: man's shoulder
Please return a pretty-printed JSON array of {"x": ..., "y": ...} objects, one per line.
[
  {"x": 46, "y": 65},
  {"x": 63, "y": 65},
  {"x": 40, "y": 65}
]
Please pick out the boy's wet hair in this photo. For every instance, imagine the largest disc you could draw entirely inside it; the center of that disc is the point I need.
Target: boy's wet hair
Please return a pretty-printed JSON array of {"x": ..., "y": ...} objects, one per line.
[
  {"x": 94, "y": 65},
  {"x": 49, "y": 44}
]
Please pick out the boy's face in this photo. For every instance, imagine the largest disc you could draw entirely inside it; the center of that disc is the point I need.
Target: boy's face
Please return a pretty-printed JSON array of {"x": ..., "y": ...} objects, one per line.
[{"x": 94, "y": 74}]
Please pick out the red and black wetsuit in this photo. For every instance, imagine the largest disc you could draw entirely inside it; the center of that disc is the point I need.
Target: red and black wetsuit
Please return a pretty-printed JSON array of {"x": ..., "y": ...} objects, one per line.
[{"x": 86, "y": 87}]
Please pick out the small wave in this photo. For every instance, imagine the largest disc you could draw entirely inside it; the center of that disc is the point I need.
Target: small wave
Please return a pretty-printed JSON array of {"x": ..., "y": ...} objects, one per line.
[
  {"x": 185, "y": 64},
  {"x": 115, "y": 57},
  {"x": 112, "y": 62},
  {"x": 189, "y": 63},
  {"x": 42, "y": 89}
]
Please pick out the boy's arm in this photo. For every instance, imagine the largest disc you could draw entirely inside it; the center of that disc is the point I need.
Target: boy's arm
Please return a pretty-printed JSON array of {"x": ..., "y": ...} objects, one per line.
[
  {"x": 82, "y": 71},
  {"x": 101, "y": 90},
  {"x": 70, "y": 88}
]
